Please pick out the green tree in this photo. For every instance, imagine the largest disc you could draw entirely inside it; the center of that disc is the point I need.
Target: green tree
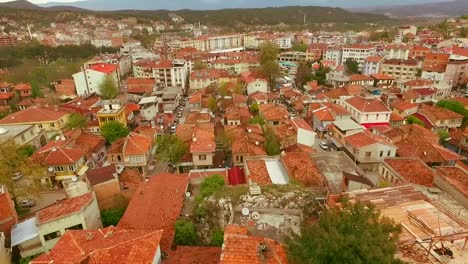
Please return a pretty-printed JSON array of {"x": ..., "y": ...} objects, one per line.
[
  {"x": 13, "y": 160},
  {"x": 185, "y": 233},
  {"x": 354, "y": 234},
  {"x": 213, "y": 104},
  {"x": 414, "y": 120},
  {"x": 112, "y": 216},
  {"x": 303, "y": 75},
  {"x": 170, "y": 149},
  {"x": 257, "y": 120},
  {"x": 443, "y": 136},
  {"x": 35, "y": 89},
  {"x": 211, "y": 185},
  {"x": 269, "y": 67},
  {"x": 113, "y": 131},
  {"x": 320, "y": 75},
  {"x": 272, "y": 142},
  {"x": 254, "y": 108},
  {"x": 299, "y": 46},
  {"x": 77, "y": 120},
  {"x": 108, "y": 88},
  {"x": 217, "y": 238},
  {"x": 456, "y": 107},
  {"x": 418, "y": 72},
  {"x": 351, "y": 66}
]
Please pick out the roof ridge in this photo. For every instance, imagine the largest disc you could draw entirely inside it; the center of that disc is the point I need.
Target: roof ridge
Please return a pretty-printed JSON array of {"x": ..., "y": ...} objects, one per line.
[{"x": 76, "y": 244}]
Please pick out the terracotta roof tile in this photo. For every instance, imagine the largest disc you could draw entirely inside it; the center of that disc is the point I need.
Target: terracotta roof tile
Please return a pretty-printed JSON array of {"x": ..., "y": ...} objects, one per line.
[
  {"x": 156, "y": 205},
  {"x": 64, "y": 208},
  {"x": 137, "y": 144},
  {"x": 272, "y": 112},
  {"x": 367, "y": 105},
  {"x": 457, "y": 177},
  {"x": 34, "y": 115},
  {"x": 130, "y": 178},
  {"x": 413, "y": 170},
  {"x": 59, "y": 155},
  {"x": 241, "y": 248},
  {"x": 364, "y": 139},
  {"x": 100, "y": 175},
  {"x": 108, "y": 245},
  {"x": 258, "y": 172},
  {"x": 302, "y": 168},
  {"x": 191, "y": 255}
]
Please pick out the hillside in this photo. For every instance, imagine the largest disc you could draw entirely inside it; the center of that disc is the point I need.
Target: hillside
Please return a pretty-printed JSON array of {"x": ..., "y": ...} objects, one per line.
[
  {"x": 25, "y": 5},
  {"x": 452, "y": 8}
]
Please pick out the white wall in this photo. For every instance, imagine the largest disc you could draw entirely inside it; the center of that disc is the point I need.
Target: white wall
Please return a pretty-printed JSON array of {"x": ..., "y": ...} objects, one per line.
[
  {"x": 305, "y": 137},
  {"x": 257, "y": 86}
]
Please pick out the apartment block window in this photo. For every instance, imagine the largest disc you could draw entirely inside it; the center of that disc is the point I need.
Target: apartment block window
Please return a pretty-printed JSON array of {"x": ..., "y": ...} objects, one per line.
[
  {"x": 381, "y": 153},
  {"x": 58, "y": 168},
  {"x": 52, "y": 235},
  {"x": 202, "y": 157},
  {"x": 75, "y": 227},
  {"x": 72, "y": 168}
]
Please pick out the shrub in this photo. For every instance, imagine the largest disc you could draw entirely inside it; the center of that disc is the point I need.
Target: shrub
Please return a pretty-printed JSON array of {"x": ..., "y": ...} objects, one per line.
[
  {"x": 217, "y": 238},
  {"x": 185, "y": 233},
  {"x": 112, "y": 216}
]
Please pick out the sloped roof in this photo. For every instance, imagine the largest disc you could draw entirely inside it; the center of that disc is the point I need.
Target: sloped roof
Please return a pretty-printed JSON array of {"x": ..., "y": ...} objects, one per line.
[
  {"x": 367, "y": 105},
  {"x": 34, "y": 114},
  {"x": 413, "y": 170},
  {"x": 64, "y": 208}
]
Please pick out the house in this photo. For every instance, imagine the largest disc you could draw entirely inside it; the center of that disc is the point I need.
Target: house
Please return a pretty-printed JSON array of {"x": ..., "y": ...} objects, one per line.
[
  {"x": 368, "y": 150},
  {"x": 193, "y": 254},
  {"x": 51, "y": 119},
  {"x": 200, "y": 79},
  {"x": 149, "y": 108},
  {"x": 105, "y": 183},
  {"x": 409, "y": 170},
  {"x": 240, "y": 247},
  {"x": 372, "y": 65},
  {"x": 137, "y": 150},
  {"x": 140, "y": 86},
  {"x": 202, "y": 117},
  {"x": 396, "y": 120},
  {"x": 237, "y": 116},
  {"x": 156, "y": 205},
  {"x": 65, "y": 88},
  {"x": 344, "y": 128},
  {"x": 88, "y": 80},
  {"x": 254, "y": 82},
  {"x": 6, "y": 93},
  {"x": 41, "y": 233},
  {"x": 247, "y": 141},
  {"x": 265, "y": 170},
  {"x": 404, "y": 108},
  {"x": 112, "y": 110},
  {"x": 382, "y": 81},
  {"x": 166, "y": 73},
  {"x": 8, "y": 216},
  {"x": 273, "y": 113},
  {"x": 5, "y": 254},
  {"x": 202, "y": 146},
  {"x": 87, "y": 106},
  {"x": 108, "y": 245},
  {"x": 438, "y": 118},
  {"x": 23, "y": 89},
  {"x": 420, "y": 95},
  {"x": 323, "y": 117},
  {"x": 434, "y": 66},
  {"x": 454, "y": 181},
  {"x": 300, "y": 167},
  {"x": 367, "y": 111},
  {"x": 23, "y": 135},
  {"x": 399, "y": 52}
]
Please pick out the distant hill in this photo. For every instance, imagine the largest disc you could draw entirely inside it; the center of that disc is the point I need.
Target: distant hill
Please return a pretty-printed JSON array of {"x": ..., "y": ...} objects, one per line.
[
  {"x": 452, "y": 8},
  {"x": 26, "y": 5}
]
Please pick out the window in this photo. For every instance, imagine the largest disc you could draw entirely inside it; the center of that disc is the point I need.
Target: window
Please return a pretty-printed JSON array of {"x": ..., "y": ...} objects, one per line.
[
  {"x": 202, "y": 157},
  {"x": 52, "y": 235},
  {"x": 75, "y": 227},
  {"x": 58, "y": 168},
  {"x": 368, "y": 155},
  {"x": 72, "y": 168},
  {"x": 52, "y": 125},
  {"x": 389, "y": 153},
  {"x": 381, "y": 153},
  {"x": 40, "y": 125}
]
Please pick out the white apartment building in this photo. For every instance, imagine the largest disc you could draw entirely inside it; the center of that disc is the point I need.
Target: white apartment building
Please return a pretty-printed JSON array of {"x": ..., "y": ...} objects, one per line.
[
  {"x": 398, "y": 52},
  {"x": 166, "y": 73},
  {"x": 88, "y": 80},
  {"x": 358, "y": 53},
  {"x": 334, "y": 54}
]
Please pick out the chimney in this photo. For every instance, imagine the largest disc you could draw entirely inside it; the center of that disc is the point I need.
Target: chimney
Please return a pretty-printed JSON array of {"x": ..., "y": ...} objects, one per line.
[
  {"x": 262, "y": 251},
  {"x": 89, "y": 236}
]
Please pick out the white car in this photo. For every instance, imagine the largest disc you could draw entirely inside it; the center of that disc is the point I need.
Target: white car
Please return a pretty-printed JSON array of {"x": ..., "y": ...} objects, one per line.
[{"x": 323, "y": 145}]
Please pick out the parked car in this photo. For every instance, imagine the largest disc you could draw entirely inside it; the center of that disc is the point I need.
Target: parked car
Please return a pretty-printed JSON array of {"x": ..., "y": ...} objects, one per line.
[
  {"x": 323, "y": 145},
  {"x": 26, "y": 203},
  {"x": 17, "y": 176}
]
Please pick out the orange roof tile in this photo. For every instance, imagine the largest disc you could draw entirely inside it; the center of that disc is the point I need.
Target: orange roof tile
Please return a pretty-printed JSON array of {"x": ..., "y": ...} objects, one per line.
[
  {"x": 156, "y": 205},
  {"x": 34, "y": 115},
  {"x": 413, "y": 170},
  {"x": 59, "y": 155},
  {"x": 191, "y": 255},
  {"x": 103, "y": 246},
  {"x": 272, "y": 112},
  {"x": 457, "y": 177},
  {"x": 137, "y": 144},
  {"x": 364, "y": 139},
  {"x": 258, "y": 172},
  {"x": 241, "y": 248},
  {"x": 64, "y": 208},
  {"x": 302, "y": 168},
  {"x": 104, "y": 68},
  {"x": 367, "y": 105}
]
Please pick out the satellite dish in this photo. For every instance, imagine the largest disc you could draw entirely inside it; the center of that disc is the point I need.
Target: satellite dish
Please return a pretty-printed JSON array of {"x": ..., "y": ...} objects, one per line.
[
  {"x": 57, "y": 138},
  {"x": 245, "y": 211},
  {"x": 188, "y": 194},
  {"x": 255, "y": 215},
  {"x": 74, "y": 179},
  {"x": 62, "y": 137},
  {"x": 51, "y": 169}
]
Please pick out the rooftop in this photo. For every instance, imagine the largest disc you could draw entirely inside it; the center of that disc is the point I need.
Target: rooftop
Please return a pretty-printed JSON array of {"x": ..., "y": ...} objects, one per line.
[
  {"x": 64, "y": 208},
  {"x": 34, "y": 114},
  {"x": 412, "y": 170},
  {"x": 367, "y": 105}
]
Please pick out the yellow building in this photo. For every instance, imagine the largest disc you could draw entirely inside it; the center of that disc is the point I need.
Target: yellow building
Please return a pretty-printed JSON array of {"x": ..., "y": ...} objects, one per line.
[
  {"x": 112, "y": 110},
  {"x": 51, "y": 119}
]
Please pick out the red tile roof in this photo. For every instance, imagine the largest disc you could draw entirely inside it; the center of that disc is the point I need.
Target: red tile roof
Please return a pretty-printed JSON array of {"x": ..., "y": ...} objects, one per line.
[
  {"x": 103, "y": 246},
  {"x": 457, "y": 177},
  {"x": 5, "y": 96},
  {"x": 59, "y": 155},
  {"x": 241, "y": 248},
  {"x": 302, "y": 168},
  {"x": 102, "y": 174},
  {"x": 23, "y": 87},
  {"x": 137, "y": 144},
  {"x": 34, "y": 115},
  {"x": 272, "y": 112},
  {"x": 434, "y": 113},
  {"x": 193, "y": 255},
  {"x": 64, "y": 208},
  {"x": 413, "y": 170},
  {"x": 403, "y": 105},
  {"x": 367, "y": 104},
  {"x": 8, "y": 215},
  {"x": 156, "y": 205},
  {"x": 258, "y": 172},
  {"x": 104, "y": 68},
  {"x": 364, "y": 139}
]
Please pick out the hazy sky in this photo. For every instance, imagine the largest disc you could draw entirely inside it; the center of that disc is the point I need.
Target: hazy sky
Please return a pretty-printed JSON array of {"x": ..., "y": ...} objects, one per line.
[{"x": 214, "y": 4}]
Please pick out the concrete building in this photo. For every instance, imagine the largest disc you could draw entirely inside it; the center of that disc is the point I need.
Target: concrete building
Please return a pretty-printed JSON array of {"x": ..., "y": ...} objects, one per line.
[
  {"x": 358, "y": 53},
  {"x": 23, "y": 135},
  {"x": 88, "y": 81},
  {"x": 400, "y": 69},
  {"x": 112, "y": 110},
  {"x": 166, "y": 73},
  {"x": 368, "y": 112}
]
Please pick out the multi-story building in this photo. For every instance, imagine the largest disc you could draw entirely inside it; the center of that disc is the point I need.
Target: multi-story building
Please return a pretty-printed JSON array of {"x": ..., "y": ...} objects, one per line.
[
  {"x": 166, "y": 73},
  {"x": 404, "y": 30},
  {"x": 89, "y": 80},
  {"x": 334, "y": 54},
  {"x": 22, "y": 135},
  {"x": 293, "y": 56},
  {"x": 7, "y": 40},
  {"x": 456, "y": 72},
  {"x": 212, "y": 43},
  {"x": 398, "y": 52},
  {"x": 112, "y": 110},
  {"x": 358, "y": 53},
  {"x": 316, "y": 51},
  {"x": 372, "y": 65},
  {"x": 400, "y": 69},
  {"x": 124, "y": 62}
]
